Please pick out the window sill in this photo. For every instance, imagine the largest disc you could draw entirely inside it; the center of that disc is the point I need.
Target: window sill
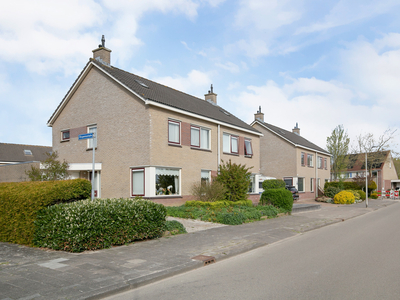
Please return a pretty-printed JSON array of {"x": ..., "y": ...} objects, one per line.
[
  {"x": 249, "y": 156},
  {"x": 175, "y": 145},
  {"x": 201, "y": 149},
  {"x": 163, "y": 197},
  {"x": 234, "y": 154},
  {"x": 91, "y": 149},
  {"x": 63, "y": 141}
]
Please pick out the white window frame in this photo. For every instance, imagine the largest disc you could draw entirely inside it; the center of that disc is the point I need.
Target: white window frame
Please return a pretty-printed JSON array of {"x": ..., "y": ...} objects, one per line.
[
  {"x": 310, "y": 159},
  {"x": 201, "y": 143},
  {"x": 136, "y": 171},
  {"x": 204, "y": 172},
  {"x": 230, "y": 143},
  {"x": 245, "y": 148},
  {"x": 177, "y": 182},
  {"x": 175, "y": 123},
  {"x": 298, "y": 182},
  {"x": 92, "y": 141},
  {"x": 319, "y": 162}
]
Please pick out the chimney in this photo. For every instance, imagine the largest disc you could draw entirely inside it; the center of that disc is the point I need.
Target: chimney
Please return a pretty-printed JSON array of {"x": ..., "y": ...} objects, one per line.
[
  {"x": 211, "y": 97},
  {"x": 296, "y": 130},
  {"x": 102, "y": 54},
  {"x": 259, "y": 115}
]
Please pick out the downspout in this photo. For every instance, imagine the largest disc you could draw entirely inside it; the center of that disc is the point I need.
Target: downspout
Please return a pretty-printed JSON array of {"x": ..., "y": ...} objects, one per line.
[
  {"x": 218, "y": 147},
  {"x": 316, "y": 175}
]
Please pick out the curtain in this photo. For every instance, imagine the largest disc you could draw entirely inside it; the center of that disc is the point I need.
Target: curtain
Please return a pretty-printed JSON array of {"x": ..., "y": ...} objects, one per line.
[
  {"x": 195, "y": 137},
  {"x": 173, "y": 132},
  {"x": 205, "y": 141}
]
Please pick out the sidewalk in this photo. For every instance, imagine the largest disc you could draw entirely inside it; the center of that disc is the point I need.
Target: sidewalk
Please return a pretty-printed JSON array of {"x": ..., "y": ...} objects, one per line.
[{"x": 30, "y": 273}]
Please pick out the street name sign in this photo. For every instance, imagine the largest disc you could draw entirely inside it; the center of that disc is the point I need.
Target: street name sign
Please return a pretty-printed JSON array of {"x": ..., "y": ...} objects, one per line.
[{"x": 86, "y": 136}]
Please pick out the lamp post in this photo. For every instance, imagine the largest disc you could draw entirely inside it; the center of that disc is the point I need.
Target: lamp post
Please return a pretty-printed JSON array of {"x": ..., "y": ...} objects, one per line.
[{"x": 366, "y": 177}]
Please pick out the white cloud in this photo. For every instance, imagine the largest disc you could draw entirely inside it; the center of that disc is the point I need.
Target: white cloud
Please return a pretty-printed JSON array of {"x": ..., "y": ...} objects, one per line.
[
  {"x": 252, "y": 48},
  {"x": 229, "y": 66},
  {"x": 195, "y": 83}
]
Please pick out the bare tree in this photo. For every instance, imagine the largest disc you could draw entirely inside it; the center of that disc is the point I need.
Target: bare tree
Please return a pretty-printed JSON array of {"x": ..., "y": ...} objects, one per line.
[{"x": 338, "y": 145}]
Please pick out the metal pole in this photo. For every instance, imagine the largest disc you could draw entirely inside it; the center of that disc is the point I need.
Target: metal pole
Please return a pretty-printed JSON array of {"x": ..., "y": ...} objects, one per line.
[
  {"x": 94, "y": 150},
  {"x": 366, "y": 180}
]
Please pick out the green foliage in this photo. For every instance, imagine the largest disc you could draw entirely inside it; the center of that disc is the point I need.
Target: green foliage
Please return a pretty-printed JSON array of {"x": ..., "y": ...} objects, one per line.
[
  {"x": 20, "y": 202},
  {"x": 331, "y": 191},
  {"x": 356, "y": 194},
  {"x": 344, "y": 197},
  {"x": 98, "y": 224},
  {"x": 218, "y": 204},
  {"x": 343, "y": 185},
  {"x": 239, "y": 214},
  {"x": 209, "y": 191},
  {"x": 362, "y": 194},
  {"x": 236, "y": 179},
  {"x": 273, "y": 184},
  {"x": 372, "y": 185},
  {"x": 281, "y": 198},
  {"x": 174, "y": 227},
  {"x": 374, "y": 195},
  {"x": 338, "y": 145},
  {"x": 53, "y": 169}
]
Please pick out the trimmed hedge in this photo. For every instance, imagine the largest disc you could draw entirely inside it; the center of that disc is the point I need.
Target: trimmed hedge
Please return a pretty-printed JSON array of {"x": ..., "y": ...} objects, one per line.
[
  {"x": 343, "y": 185},
  {"x": 281, "y": 198},
  {"x": 98, "y": 224},
  {"x": 218, "y": 204},
  {"x": 20, "y": 202},
  {"x": 273, "y": 184}
]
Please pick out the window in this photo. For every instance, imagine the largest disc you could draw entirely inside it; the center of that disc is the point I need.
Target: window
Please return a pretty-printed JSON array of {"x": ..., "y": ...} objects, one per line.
[
  {"x": 174, "y": 136},
  {"x": 230, "y": 143},
  {"x": 312, "y": 184},
  {"x": 205, "y": 176},
  {"x": 288, "y": 180},
  {"x": 28, "y": 152},
  {"x": 300, "y": 183},
  {"x": 200, "y": 137},
  {"x": 319, "y": 162},
  {"x": 137, "y": 182},
  {"x": 252, "y": 185},
  {"x": 92, "y": 142},
  {"x": 248, "y": 151},
  {"x": 310, "y": 160},
  {"x": 303, "y": 159},
  {"x": 167, "y": 181},
  {"x": 65, "y": 135},
  {"x": 326, "y": 164}
]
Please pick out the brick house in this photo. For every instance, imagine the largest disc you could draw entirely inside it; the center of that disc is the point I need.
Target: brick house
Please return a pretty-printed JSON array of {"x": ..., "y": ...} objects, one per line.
[
  {"x": 383, "y": 169},
  {"x": 15, "y": 159},
  {"x": 287, "y": 155},
  {"x": 151, "y": 140}
]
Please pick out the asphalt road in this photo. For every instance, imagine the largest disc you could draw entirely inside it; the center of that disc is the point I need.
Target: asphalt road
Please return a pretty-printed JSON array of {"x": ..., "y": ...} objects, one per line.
[{"x": 355, "y": 259}]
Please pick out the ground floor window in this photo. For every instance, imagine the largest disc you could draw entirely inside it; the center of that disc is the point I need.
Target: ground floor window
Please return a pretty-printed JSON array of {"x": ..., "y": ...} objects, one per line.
[
  {"x": 300, "y": 184},
  {"x": 205, "y": 176},
  {"x": 167, "y": 181},
  {"x": 312, "y": 184},
  {"x": 137, "y": 182},
  {"x": 288, "y": 180}
]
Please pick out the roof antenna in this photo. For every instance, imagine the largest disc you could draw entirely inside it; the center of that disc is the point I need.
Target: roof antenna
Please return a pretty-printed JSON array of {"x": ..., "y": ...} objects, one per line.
[
  {"x": 103, "y": 42},
  {"x": 212, "y": 92},
  {"x": 259, "y": 109}
]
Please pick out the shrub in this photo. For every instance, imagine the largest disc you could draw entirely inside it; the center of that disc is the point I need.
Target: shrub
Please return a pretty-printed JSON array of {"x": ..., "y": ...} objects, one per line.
[
  {"x": 236, "y": 179},
  {"x": 53, "y": 169},
  {"x": 20, "y": 202},
  {"x": 235, "y": 218},
  {"x": 281, "y": 198},
  {"x": 174, "y": 227},
  {"x": 344, "y": 197},
  {"x": 374, "y": 195},
  {"x": 98, "y": 224},
  {"x": 218, "y": 204},
  {"x": 362, "y": 194},
  {"x": 209, "y": 191},
  {"x": 355, "y": 193},
  {"x": 273, "y": 184},
  {"x": 331, "y": 191},
  {"x": 343, "y": 185}
]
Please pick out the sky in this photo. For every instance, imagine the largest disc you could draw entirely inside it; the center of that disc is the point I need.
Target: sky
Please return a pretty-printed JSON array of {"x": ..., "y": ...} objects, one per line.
[{"x": 316, "y": 63}]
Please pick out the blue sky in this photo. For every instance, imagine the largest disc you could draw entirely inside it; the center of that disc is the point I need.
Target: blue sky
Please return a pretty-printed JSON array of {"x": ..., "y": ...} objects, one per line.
[{"x": 317, "y": 63}]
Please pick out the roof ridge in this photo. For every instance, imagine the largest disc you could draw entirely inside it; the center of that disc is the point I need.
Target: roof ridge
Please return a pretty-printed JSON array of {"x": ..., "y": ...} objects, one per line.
[{"x": 24, "y": 145}]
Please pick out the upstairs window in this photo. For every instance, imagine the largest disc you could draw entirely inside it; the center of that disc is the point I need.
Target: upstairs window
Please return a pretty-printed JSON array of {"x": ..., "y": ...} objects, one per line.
[
  {"x": 200, "y": 137},
  {"x": 310, "y": 162},
  {"x": 303, "y": 159},
  {"x": 65, "y": 135},
  {"x": 326, "y": 164},
  {"x": 230, "y": 143},
  {"x": 319, "y": 162},
  {"x": 248, "y": 151},
  {"x": 174, "y": 136},
  {"x": 92, "y": 143}
]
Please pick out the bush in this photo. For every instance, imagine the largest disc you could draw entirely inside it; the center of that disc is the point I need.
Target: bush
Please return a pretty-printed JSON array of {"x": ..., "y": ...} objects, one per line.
[
  {"x": 273, "y": 184},
  {"x": 20, "y": 202},
  {"x": 374, "y": 195},
  {"x": 343, "y": 185},
  {"x": 98, "y": 224},
  {"x": 235, "y": 218},
  {"x": 356, "y": 194},
  {"x": 218, "y": 204},
  {"x": 174, "y": 227},
  {"x": 209, "y": 191},
  {"x": 331, "y": 191},
  {"x": 236, "y": 180},
  {"x": 281, "y": 198},
  {"x": 362, "y": 194},
  {"x": 344, "y": 197}
]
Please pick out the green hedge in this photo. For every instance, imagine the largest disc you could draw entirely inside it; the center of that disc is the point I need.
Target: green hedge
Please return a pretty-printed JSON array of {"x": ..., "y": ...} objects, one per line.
[
  {"x": 273, "y": 184},
  {"x": 218, "y": 204},
  {"x": 343, "y": 185},
  {"x": 281, "y": 198},
  {"x": 20, "y": 202},
  {"x": 98, "y": 224}
]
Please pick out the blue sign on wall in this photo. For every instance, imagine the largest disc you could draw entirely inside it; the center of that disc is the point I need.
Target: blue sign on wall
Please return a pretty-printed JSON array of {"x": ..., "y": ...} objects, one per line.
[{"x": 86, "y": 136}]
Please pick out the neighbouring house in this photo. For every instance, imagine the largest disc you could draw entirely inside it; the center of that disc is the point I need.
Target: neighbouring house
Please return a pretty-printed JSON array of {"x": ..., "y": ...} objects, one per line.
[
  {"x": 287, "y": 155},
  {"x": 150, "y": 140},
  {"x": 380, "y": 164},
  {"x": 15, "y": 159}
]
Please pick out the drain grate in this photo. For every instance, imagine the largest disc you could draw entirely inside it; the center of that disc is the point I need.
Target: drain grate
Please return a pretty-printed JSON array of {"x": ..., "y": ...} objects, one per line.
[{"x": 205, "y": 259}]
